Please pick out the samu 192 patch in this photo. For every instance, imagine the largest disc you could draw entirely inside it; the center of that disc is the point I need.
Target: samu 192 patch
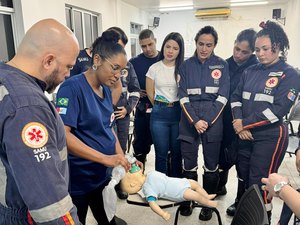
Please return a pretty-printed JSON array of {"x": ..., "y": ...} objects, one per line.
[
  {"x": 35, "y": 135},
  {"x": 62, "y": 102},
  {"x": 292, "y": 94}
]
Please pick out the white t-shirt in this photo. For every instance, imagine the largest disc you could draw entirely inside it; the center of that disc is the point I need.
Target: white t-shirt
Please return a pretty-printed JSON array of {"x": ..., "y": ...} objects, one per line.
[{"x": 165, "y": 86}]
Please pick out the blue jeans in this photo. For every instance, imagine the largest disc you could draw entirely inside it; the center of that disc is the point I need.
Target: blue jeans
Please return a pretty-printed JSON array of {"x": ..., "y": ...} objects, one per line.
[{"x": 164, "y": 127}]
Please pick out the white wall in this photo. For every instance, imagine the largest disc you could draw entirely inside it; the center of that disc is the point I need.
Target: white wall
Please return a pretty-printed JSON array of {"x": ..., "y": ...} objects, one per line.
[
  {"x": 118, "y": 13},
  {"x": 126, "y": 14},
  {"x": 113, "y": 13},
  {"x": 227, "y": 29},
  {"x": 292, "y": 28}
]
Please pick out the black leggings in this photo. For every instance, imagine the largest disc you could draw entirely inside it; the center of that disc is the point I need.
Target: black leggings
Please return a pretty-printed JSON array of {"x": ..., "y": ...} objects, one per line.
[{"x": 93, "y": 199}]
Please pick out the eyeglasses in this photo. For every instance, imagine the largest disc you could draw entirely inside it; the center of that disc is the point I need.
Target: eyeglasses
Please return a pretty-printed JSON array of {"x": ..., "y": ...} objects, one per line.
[{"x": 115, "y": 69}]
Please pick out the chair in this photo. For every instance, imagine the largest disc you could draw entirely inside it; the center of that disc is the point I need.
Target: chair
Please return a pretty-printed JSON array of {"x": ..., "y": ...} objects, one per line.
[
  {"x": 294, "y": 115},
  {"x": 251, "y": 209},
  {"x": 137, "y": 199}
]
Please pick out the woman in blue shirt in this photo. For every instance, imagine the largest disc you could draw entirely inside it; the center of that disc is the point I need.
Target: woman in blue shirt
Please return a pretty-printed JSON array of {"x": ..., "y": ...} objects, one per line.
[{"x": 85, "y": 104}]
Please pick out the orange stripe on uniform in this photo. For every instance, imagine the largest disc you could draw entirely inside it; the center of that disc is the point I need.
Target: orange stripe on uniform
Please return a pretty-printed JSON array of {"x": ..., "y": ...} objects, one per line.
[
  {"x": 274, "y": 154},
  {"x": 281, "y": 149},
  {"x": 214, "y": 120},
  {"x": 68, "y": 219},
  {"x": 256, "y": 124},
  {"x": 272, "y": 161},
  {"x": 186, "y": 113}
]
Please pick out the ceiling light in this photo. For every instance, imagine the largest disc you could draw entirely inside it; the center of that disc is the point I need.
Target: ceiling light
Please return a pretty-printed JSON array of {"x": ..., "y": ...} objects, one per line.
[
  {"x": 166, "y": 9},
  {"x": 248, "y": 3}
]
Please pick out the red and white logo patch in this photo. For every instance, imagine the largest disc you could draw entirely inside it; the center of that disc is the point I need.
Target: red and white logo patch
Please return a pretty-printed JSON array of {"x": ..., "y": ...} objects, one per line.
[
  {"x": 34, "y": 135},
  {"x": 272, "y": 82},
  {"x": 216, "y": 74},
  {"x": 112, "y": 117}
]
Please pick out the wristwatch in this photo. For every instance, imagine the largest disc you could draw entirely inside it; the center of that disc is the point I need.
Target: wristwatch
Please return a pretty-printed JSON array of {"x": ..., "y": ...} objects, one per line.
[{"x": 279, "y": 186}]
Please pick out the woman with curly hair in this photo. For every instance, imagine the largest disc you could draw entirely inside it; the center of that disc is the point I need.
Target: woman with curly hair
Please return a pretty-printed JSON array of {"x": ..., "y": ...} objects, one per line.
[{"x": 263, "y": 97}]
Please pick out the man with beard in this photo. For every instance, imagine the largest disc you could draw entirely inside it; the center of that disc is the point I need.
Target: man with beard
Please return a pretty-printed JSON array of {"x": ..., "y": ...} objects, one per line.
[{"x": 33, "y": 154}]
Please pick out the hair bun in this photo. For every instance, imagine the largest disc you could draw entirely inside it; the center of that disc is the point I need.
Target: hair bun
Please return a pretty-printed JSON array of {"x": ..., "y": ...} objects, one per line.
[{"x": 110, "y": 36}]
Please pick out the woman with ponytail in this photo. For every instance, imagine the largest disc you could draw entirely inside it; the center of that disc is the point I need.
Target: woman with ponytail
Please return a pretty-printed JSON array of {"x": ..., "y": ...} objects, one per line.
[{"x": 84, "y": 103}]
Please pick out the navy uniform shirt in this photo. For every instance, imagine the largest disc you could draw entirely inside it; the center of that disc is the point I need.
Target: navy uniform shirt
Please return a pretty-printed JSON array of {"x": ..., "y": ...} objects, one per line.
[
  {"x": 141, "y": 64},
  {"x": 236, "y": 71},
  {"x": 265, "y": 94},
  {"x": 83, "y": 63},
  {"x": 208, "y": 81},
  {"x": 33, "y": 155},
  {"x": 91, "y": 119}
]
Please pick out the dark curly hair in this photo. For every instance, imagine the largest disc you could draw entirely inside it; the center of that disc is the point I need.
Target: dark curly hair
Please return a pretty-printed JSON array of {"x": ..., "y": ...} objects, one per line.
[{"x": 277, "y": 36}]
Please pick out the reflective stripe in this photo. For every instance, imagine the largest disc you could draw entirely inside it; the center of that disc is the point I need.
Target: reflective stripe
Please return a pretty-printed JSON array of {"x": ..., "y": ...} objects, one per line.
[
  {"x": 264, "y": 98},
  {"x": 53, "y": 211},
  {"x": 222, "y": 99},
  {"x": 3, "y": 92},
  {"x": 236, "y": 104},
  {"x": 211, "y": 90},
  {"x": 3, "y": 179},
  {"x": 63, "y": 154},
  {"x": 194, "y": 91},
  {"x": 135, "y": 94},
  {"x": 270, "y": 115},
  {"x": 184, "y": 100},
  {"x": 191, "y": 170},
  {"x": 211, "y": 171},
  {"x": 246, "y": 95},
  {"x": 124, "y": 89}
]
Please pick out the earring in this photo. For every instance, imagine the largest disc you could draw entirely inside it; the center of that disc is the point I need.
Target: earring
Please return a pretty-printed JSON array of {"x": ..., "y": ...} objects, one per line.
[{"x": 94, "y": 67}]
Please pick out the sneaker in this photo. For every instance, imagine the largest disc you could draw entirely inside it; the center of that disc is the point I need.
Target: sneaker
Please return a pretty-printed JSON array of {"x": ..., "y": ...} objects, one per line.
[
  {"x": 118, "y": 221},
  {"x": 221, "y": 191},
  {"x": 186, "y": 208},
  {"x": 205, "y": 214},
  {"x": 231, "y": 209}
]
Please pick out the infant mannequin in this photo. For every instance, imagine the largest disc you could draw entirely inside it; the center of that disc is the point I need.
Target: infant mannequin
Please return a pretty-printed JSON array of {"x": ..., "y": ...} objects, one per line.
[{"x": 156, "y": 185}]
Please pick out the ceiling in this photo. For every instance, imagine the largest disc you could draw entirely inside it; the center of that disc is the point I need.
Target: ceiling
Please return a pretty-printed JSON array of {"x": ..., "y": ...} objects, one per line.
[{"x": 154, "y": 5}]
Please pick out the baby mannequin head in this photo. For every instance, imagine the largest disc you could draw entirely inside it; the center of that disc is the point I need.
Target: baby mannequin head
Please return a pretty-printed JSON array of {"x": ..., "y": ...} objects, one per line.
[{"x": 133, "y": 182}]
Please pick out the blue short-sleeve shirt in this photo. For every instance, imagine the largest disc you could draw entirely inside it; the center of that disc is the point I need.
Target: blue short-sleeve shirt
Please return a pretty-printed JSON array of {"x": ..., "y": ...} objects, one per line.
[{"x": 90, "y": 118}]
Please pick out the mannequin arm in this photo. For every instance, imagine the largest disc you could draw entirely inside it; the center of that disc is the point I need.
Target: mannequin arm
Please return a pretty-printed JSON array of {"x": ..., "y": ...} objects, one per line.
[{"x": 155, "y": 207}]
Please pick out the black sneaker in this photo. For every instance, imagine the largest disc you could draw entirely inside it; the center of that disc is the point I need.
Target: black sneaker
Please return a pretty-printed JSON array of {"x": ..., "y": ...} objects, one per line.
[
  {"x": 118, "y": 221},
  {"x": 186, "y": 208},
  {"x": 205, "y": 214},
  {"x": 231, "y": 209},
  {"x": 221, "y": 191}
]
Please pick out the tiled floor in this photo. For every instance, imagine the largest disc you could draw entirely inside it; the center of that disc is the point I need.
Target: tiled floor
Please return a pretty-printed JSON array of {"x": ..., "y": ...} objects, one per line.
[{"x": 137, "y": 215}]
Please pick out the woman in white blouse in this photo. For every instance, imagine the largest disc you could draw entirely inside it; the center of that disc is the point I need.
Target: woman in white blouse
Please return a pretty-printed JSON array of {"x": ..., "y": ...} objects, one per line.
[{"x": 162, "y": 90}]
